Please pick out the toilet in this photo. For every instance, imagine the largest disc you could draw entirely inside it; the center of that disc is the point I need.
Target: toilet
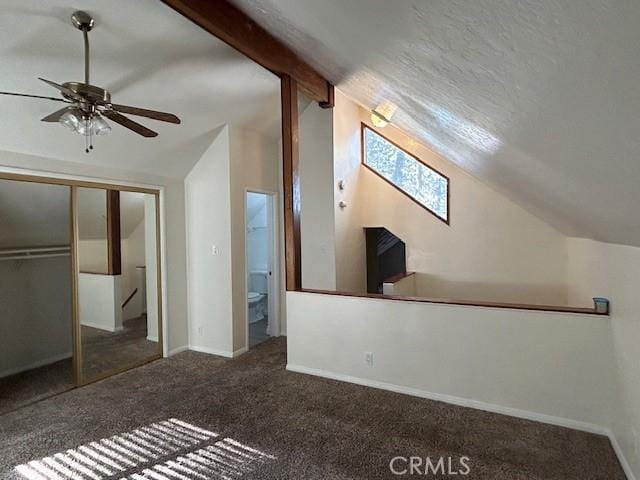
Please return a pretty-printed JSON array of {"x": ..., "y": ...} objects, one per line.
[{"x": 257, "y": 295}]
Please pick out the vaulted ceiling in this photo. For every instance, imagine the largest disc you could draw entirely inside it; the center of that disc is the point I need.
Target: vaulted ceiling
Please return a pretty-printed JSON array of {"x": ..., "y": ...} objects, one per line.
[{"x": 539, "y": 99}]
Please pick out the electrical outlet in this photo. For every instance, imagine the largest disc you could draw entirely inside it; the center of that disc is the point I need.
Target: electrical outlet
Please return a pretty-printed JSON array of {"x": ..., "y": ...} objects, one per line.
[
  {"x": 368, "y": 358},
  {"x": 215, "y": 250},
  {"x": 200, "y": 331}
]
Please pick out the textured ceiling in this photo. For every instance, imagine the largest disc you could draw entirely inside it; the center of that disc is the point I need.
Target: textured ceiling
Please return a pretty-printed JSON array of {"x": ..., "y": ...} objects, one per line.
[
  {"x": 539, "y": 99},
  {"x": 147, "y": 55}
]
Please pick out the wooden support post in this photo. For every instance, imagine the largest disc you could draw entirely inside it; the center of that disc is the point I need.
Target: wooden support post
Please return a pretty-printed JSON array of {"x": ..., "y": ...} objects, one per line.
[
  {"x": 114, "y": 258},
  {"x": 291, "y": 178}
]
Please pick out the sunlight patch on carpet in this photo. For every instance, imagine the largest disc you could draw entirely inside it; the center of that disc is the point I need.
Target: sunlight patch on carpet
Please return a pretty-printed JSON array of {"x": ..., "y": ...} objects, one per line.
[{"x": 168, "y": 450}]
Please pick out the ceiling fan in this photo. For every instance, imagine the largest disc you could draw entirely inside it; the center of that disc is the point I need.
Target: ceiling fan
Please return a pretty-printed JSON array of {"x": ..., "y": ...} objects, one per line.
[{"x": 87, "y": 104}]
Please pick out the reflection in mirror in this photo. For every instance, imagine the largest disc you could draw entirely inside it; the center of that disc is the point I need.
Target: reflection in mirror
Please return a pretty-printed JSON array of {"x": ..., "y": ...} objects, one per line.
[
  {"x": 117, "y": 283},
  {"x": 35, "y": 293}
]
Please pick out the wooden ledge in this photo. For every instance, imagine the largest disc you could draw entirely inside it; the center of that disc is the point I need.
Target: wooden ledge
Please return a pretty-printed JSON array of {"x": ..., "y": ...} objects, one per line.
[
  {"x": 468, "y": 303},
  {"x": 397, "y": 277}
]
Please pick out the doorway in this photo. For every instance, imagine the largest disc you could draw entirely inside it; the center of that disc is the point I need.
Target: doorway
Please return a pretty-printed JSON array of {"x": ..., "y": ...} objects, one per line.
[{"x": 261, "y": 264}]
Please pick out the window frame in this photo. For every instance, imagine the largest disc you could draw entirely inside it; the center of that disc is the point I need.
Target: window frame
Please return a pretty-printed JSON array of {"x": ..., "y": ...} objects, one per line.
[{"x": 363, "y": 152}]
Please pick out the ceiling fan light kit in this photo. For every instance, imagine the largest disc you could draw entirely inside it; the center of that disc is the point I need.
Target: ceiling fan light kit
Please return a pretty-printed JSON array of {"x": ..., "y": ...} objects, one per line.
[{"x": 87, "y": 104}]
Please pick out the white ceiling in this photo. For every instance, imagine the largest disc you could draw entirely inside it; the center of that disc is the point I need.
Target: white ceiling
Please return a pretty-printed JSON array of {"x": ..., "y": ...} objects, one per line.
[
  {"x": 147, "y": 55},
  {"x": 539, "y": 99}
]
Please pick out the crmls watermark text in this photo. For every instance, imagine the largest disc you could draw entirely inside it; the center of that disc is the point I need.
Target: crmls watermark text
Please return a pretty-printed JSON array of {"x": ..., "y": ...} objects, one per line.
[{"x": 440, "y": 466}]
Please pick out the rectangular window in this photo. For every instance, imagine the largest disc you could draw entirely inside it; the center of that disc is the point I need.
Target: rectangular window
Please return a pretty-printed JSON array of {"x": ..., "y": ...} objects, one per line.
[{"x": 421, "y": 183}]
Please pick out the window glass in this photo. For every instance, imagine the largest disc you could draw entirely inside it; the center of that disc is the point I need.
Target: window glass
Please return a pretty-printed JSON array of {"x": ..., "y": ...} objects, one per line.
[{"x": 420, "y": 182}]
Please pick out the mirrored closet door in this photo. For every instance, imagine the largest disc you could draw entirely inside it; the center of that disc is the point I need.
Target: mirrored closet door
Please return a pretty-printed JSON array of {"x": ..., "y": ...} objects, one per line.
[
  {"x": 79, "y": 284},
  {"x": 117, "y": 260},
  {"x": 36, "y": 341}
]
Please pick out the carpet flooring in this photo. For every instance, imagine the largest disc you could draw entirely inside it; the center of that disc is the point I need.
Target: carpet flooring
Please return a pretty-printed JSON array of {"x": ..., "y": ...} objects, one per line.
[
  {"x": 275, "y": 424},
  {"x": 101, "y": 352}
]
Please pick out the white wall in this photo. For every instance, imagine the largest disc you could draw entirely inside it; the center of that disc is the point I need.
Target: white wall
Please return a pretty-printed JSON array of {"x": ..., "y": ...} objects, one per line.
[
  {"x": 317, "y": 229},
  {"x": 208, "y": 220},
  {"x": 613, "y": 271},
  {"x": 238, "y": 160},
  {"x": 493, "y": 250},
  {"x": 35, "y": 313},
  {"x": 254, "y": 163},
  {"x": 100, "y": 301},
  {"x": 547, "y": 364}
]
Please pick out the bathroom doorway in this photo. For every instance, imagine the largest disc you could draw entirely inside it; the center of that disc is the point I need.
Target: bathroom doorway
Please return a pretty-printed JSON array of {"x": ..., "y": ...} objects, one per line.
[{"x": 261, "y": 267}]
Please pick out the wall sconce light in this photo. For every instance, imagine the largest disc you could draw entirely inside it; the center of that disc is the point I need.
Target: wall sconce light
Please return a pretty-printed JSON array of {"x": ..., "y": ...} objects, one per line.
[{"x": 381, "y": 115}]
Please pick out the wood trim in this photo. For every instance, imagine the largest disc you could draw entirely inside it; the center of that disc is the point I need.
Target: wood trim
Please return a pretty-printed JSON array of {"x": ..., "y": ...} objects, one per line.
[
  {"x": 130, "y": 297},
  {"x": 159, "y": 275},
  {"x": 291, "y": 179},
  {"x": 75, "y": 296},
  {"x": 115, "y": 371},
  {"x": 468, "y": 303},
  {"x": 364, "y": 126},
  {"x": 398, "y": 277},
  {"x": 228, "y": 23},
  {"x": 68, "y": 182},
  {"x": 114, "y": 241}
]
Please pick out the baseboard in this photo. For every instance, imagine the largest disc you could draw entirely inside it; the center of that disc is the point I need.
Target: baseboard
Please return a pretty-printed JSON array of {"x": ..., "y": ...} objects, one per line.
[
  {"x": 626, "y": 466},
  {"x": 211, "y": 351},
  {"x": 153, "y": 339},
  {"x": 101, "y": 327},
  {"x": 39, "y": 363},
  {"x": 240, "y": 351},
  {"x": 177, "y": 350},
  {"x": 478, "y": 405}
]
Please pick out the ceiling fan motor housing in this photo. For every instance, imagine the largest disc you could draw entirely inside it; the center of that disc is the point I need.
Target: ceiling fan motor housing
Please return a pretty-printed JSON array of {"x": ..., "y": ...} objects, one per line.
[{"x": 93, "y": 94}]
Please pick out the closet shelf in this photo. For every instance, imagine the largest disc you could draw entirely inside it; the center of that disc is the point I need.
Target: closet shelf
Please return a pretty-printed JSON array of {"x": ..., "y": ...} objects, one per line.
[{"x": 34, "y": 253}]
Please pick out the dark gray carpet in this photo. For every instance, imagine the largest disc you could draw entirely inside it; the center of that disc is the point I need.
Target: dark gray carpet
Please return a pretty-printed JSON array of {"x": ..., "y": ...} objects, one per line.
[
  {"x": 314, "y": 428},
  {"x": 103, "y": 351},
  {"x": 39, "y": 383}
]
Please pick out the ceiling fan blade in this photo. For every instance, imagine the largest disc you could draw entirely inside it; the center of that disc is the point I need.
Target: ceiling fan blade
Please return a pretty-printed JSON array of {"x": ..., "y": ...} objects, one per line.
[
  {"x": 128, "y": 123},
  {"x": 55, "y": 116},
  {"x": 143, "y": 112},
  {"x": 35, "y": 96},
  {"x": 67, "y": 91}
]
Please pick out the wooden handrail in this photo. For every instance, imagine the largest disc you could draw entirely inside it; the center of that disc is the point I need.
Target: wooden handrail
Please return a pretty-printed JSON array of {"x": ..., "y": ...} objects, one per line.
[
  {"x": 129, "y": 298},
  {"x": 468, "y": 303}
]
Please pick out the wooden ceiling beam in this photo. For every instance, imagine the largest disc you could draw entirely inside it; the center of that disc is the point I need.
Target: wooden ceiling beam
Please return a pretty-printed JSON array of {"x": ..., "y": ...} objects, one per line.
[{"x": 232, "y": 26}]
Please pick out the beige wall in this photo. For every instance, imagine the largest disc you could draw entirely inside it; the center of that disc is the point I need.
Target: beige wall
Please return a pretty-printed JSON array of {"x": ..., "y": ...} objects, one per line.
[
  {"x": 317, "y": 230},
  {"x": 254, "y": 162},
  {"x": 613, "y": 271},
  {"x": 350, "y": 244},
  {"x": 208, "y": 218},
  {"x": 493, "y": 250}
]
